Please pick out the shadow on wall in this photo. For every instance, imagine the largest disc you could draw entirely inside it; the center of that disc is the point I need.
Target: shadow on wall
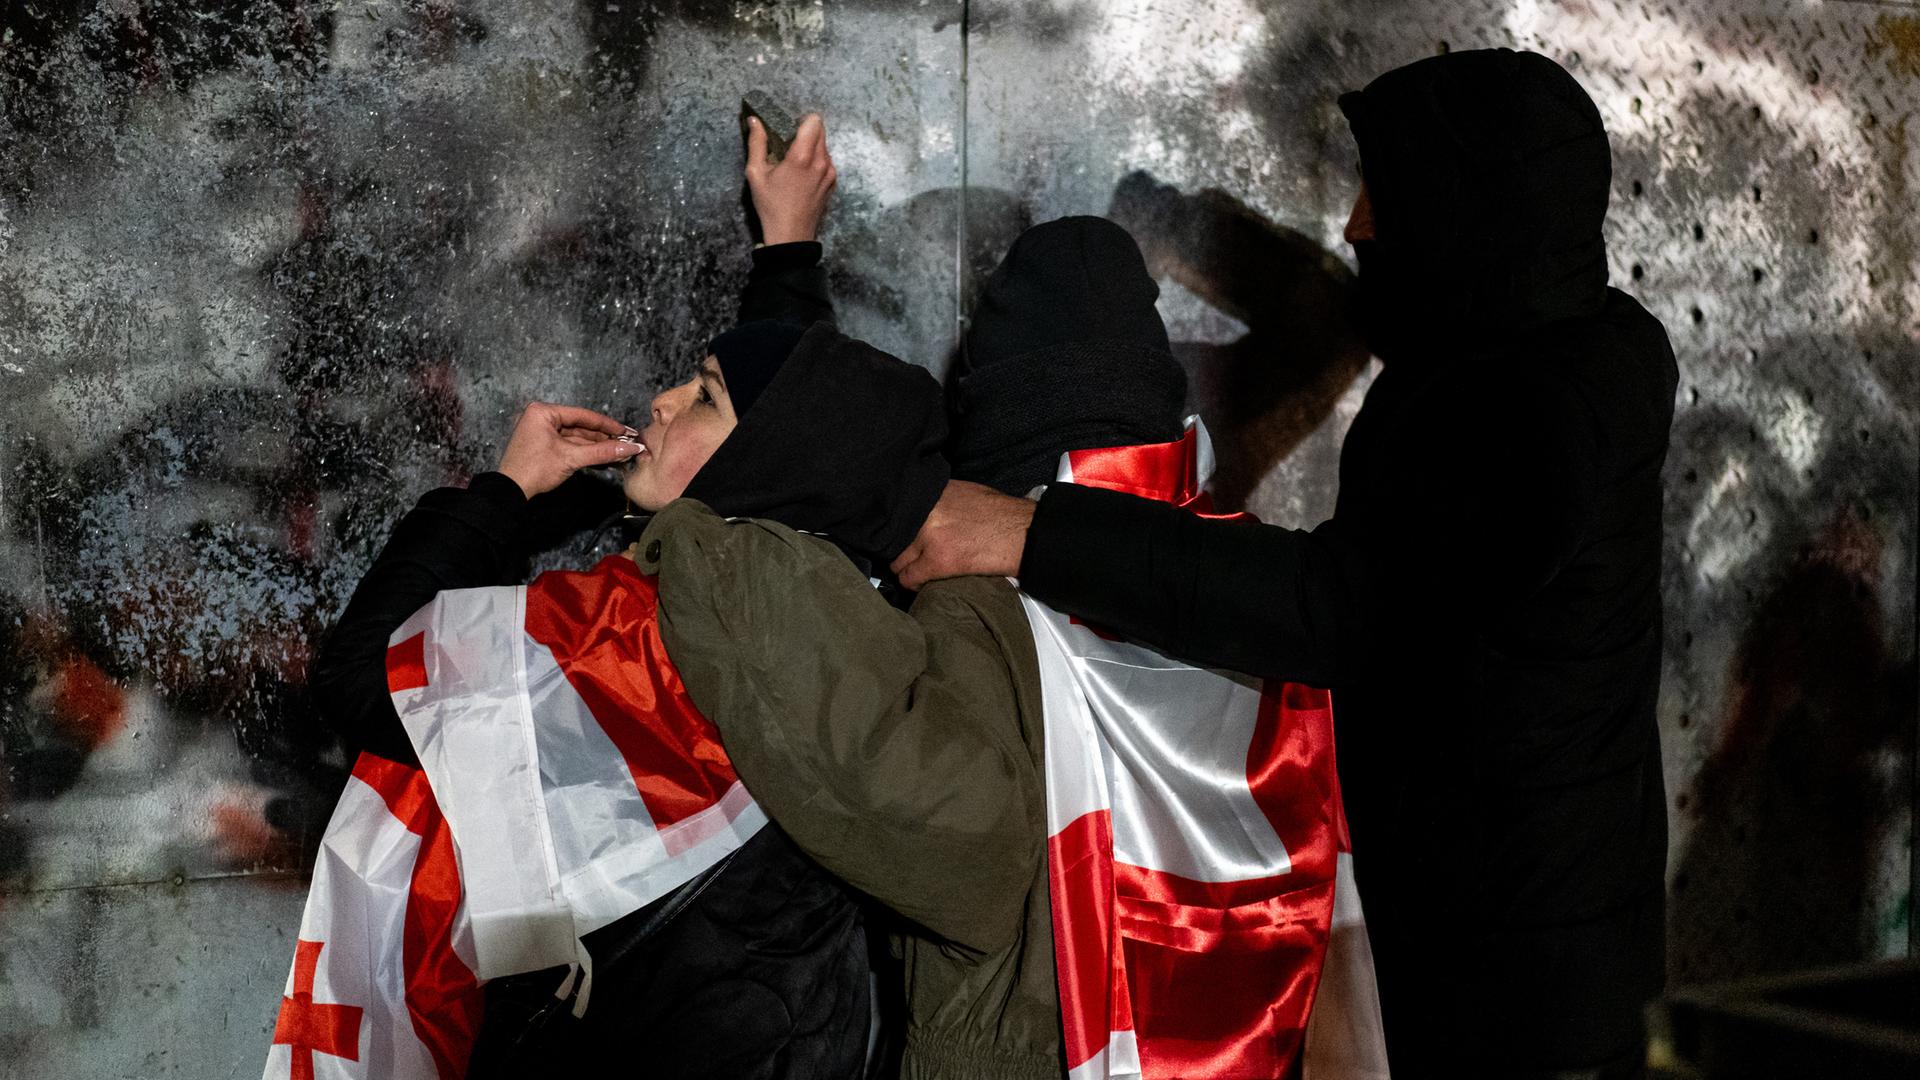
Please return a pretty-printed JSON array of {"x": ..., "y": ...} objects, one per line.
[
  {"x": 1790, "y": 501},
  {"x": 1790, "y": 516},
  {"x": 1793, "y": 806},
  {"x": 1259, "y": 395},
  {"x": 1264, "y": 393},
  {"x": 879, "y": 252}
]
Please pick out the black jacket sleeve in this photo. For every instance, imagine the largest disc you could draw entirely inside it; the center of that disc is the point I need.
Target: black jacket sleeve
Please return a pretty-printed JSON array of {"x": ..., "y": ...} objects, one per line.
[
  {"x": 787, "y": 282},
  {"x": 1268, "y": 601},
  {"x": 454, "y": 538},
  {"x": 1470, "y": 519}
]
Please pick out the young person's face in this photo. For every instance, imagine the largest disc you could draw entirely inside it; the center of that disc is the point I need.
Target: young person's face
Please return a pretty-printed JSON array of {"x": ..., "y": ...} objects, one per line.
[{"x": 690, "y": 421}]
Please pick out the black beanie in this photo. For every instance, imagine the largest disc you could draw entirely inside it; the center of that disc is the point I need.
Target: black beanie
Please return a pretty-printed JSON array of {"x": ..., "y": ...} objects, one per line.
[
  {"x": 845, "y": 443},
  {"x": 1066, "y": 351},
  {"x": 750, "y": 356}
]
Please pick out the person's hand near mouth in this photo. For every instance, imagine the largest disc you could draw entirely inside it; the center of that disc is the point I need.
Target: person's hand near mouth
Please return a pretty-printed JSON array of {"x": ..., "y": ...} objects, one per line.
[{"x": 552, "y": 442}]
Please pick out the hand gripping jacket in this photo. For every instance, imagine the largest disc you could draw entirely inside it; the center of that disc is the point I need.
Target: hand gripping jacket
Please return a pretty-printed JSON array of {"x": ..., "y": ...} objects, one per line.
[
  {"x": 1205, "y": 917},
  {"x": 567, "y": 781}
]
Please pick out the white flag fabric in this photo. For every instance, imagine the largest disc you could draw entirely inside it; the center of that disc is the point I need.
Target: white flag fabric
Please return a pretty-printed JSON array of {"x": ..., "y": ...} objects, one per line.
[
  {"x": 1206, "y": 921},
  {"x": 382, "y": 982},
  {"x": 578, "y": 778},
  {"x": 566, "y": 780}
]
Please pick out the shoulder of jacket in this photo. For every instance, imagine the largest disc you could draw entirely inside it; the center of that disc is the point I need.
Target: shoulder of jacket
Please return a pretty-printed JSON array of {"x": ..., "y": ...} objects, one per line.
[
  {"x": 990, "y": 596},
  {"x": 991, "y": 609},
  {"x": 989, "y": 605}
]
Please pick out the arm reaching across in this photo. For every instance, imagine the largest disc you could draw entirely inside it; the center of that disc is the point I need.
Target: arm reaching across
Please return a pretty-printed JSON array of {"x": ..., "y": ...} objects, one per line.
[
  {"x": 1468, "y": 526},
  {"x": 973, "y": 529}
]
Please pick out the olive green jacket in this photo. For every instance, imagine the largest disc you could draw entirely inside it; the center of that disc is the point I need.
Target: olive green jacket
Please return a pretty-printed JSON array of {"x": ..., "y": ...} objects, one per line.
[{"x": 901, "y": 750}]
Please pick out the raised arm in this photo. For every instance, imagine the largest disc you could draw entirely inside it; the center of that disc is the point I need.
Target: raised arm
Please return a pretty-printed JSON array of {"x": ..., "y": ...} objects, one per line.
[
  {"x": 787, "y": 281},
  {"x": 887, "y": 745}
]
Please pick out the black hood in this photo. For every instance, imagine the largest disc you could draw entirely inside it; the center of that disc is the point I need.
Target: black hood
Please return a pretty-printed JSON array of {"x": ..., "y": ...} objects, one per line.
[
  {"x": 845, "y": 441},
  {"x": 1065, "y": 351},
  {"x": 1489, "y": 173}
]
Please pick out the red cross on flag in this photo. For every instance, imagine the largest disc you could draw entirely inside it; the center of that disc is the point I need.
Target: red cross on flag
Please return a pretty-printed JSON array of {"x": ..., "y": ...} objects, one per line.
[
  {"x": 382, "y": 982},
  {"x": 578, "y": 779},
  {"x": 1205, "y": 918},
  {"x": 307, "y": 1027}
]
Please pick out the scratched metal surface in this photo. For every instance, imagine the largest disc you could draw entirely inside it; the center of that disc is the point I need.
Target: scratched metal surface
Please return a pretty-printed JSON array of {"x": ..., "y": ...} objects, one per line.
[{"x": 268, "y": 273}]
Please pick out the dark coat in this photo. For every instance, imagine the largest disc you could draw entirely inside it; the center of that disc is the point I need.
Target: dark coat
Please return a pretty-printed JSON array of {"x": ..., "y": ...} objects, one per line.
[{"x": 1484, "y": 602}]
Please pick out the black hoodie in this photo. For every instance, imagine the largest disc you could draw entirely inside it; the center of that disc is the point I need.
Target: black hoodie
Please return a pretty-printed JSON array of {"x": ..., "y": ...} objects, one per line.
[{"x": 1484, "y": 602}]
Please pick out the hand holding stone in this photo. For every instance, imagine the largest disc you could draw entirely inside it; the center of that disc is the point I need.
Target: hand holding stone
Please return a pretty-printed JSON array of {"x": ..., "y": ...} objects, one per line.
[{"x": 791, "y": 197}]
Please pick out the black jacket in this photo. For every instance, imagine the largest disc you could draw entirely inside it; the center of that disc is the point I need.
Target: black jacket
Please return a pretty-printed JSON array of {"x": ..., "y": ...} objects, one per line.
[
  {"x": 1485, "y": 600},
  {"x": 757, "y": 968}
]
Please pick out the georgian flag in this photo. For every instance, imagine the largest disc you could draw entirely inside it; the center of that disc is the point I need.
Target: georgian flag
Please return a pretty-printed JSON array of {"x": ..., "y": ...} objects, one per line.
[
  {"x": 567, "y": 779},
  {"x": 382, "y": 981},
  {"x": 1205, "y": 917}
]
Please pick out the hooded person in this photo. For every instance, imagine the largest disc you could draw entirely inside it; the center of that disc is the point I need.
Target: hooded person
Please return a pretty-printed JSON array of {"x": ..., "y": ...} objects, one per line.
[
  {"x": 1484, "y": 602},
  {"x": 720, "y": 949},
  {"x": 956, "y": 762},
  {"x": 755, "y": 966}
]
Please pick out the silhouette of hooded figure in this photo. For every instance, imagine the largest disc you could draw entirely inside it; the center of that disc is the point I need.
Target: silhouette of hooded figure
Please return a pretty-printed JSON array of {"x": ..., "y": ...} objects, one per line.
[{"x": 1484, "y": 603}]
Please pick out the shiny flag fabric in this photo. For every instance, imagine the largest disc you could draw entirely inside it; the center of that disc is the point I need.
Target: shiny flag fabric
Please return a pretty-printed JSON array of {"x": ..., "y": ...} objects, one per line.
[
  {"x": 566, "y": 780},
  {"x": 1206, "y": 922}
]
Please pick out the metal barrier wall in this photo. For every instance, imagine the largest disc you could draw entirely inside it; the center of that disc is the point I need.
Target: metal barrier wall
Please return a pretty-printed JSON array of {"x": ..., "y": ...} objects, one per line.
[{"x": 270, "y": 271}]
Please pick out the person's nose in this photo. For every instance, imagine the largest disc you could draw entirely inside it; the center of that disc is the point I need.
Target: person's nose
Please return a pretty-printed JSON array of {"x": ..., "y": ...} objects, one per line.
[
  {"x": 1360, "y": 222},
  {"x": 662, "y": 409}
]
